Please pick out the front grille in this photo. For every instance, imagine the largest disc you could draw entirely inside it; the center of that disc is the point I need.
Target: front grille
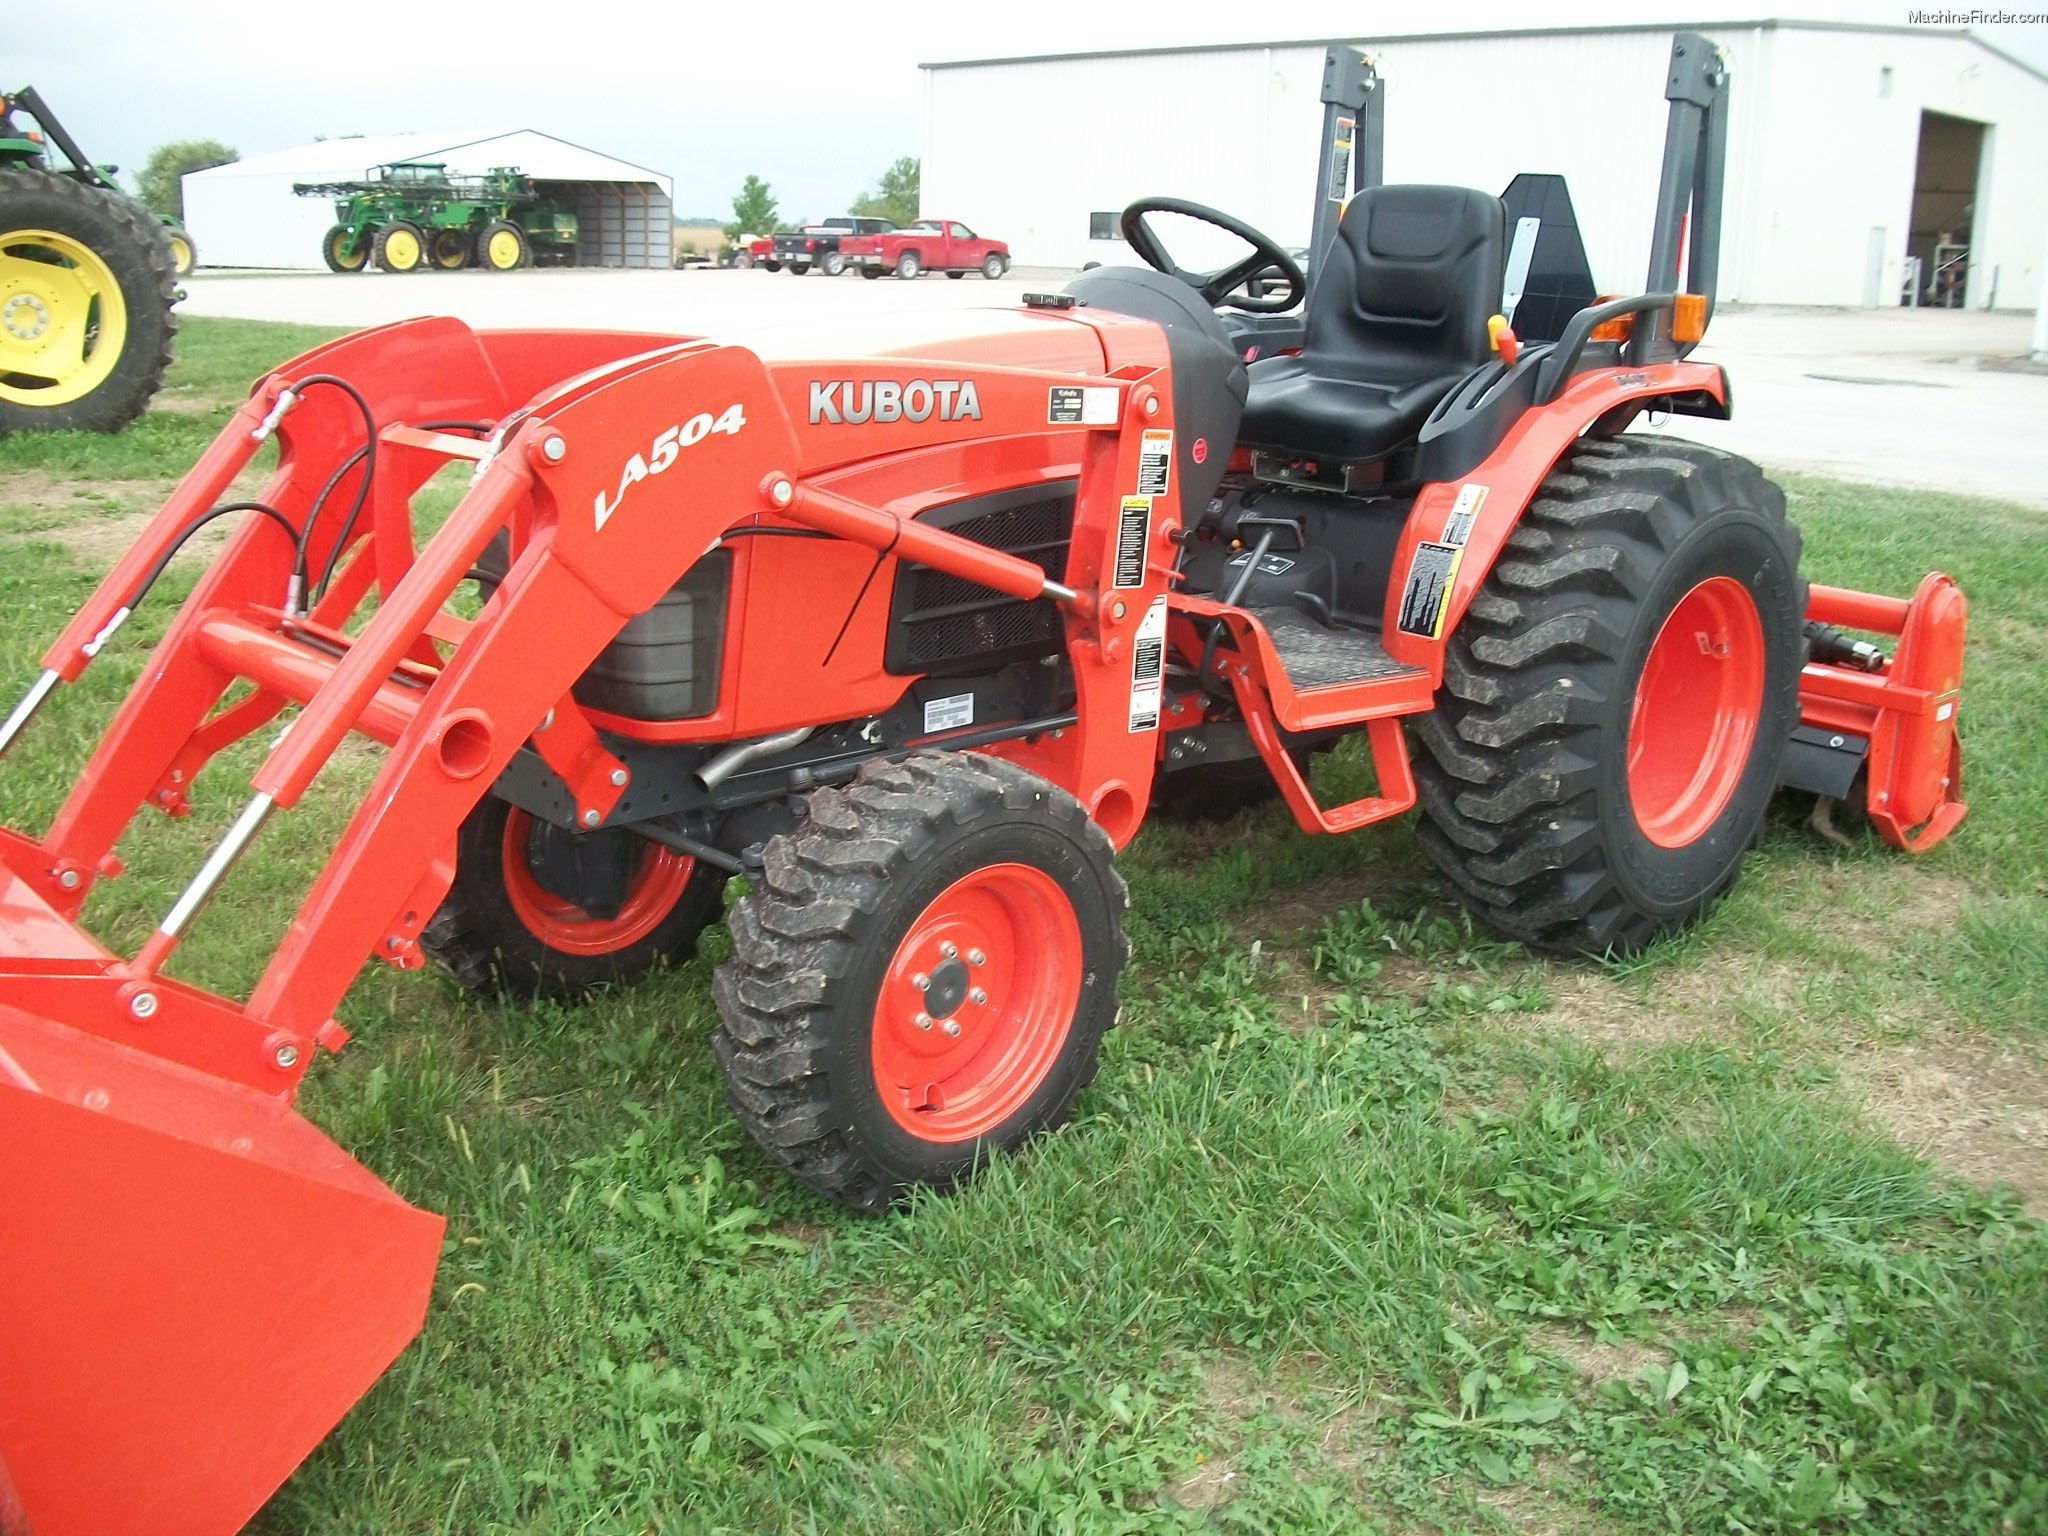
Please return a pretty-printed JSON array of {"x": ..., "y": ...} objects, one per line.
[{"x": 940, "y": 622}]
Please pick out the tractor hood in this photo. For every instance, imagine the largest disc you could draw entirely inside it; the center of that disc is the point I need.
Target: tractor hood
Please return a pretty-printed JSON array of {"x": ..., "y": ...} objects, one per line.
[{"x": 1042, "y": 340}]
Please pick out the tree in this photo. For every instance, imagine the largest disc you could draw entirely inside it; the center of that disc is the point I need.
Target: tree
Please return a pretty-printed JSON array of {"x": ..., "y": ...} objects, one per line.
[
  {"x": 896, "y": 199},
  {"x": 160, "y": 181},
  {"x": 753, "y": 210}
]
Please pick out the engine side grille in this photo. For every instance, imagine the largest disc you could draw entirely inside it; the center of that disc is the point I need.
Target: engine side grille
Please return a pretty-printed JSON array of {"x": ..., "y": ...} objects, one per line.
[{"x": 940, "y": 622}]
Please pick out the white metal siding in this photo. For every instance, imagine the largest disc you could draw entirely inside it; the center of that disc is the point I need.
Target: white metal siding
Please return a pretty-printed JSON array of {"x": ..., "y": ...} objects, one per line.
[{"x": 1816, "y": 158}]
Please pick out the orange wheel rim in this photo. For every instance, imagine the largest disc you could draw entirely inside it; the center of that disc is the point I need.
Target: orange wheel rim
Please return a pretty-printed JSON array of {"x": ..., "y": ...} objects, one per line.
[
  {"x": 1695, "y": 713},
  {"x": 652, "y": 893},
  {"x": 977, "y": 1003}
]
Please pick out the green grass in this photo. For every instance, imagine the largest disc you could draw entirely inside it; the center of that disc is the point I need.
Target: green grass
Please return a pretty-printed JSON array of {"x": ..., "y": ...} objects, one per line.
[{"x": 1370, "y": 1222}]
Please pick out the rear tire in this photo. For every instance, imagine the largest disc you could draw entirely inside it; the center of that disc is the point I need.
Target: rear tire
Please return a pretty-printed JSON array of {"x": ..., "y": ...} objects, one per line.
[
  {"x": 1564, "y": 819},
  {"x": 502, "y": 246},
  {"x": 871, "y": 274},
  {"x": 771, "y": 266},
  {"x": 908, "y": 265},
  {"x": 498, "y": 932},
  {"x": 833, "y": 264},
  {"x": 826, "y": 1064},
  {"x": 102, "y": 375}
]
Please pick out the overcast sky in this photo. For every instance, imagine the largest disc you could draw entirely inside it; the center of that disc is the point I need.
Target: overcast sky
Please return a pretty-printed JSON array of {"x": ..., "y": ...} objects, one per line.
[{"x": 815, "y": 97}]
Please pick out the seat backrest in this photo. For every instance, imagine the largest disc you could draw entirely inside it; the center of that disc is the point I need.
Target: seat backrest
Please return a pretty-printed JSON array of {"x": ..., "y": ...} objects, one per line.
[{"x": 1410, "y": 281}]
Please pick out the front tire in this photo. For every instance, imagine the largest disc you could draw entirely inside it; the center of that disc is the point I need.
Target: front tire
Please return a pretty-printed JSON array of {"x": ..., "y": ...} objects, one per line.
[
  {"x": 86, "y": 288},
  {"x": 921, "y": 977},
  {"x": 995, "y": 266},
  {"x": 339, "y": 255},
  {"x": 500, "y": 931},
  {"x": 1617, "y": 702}
]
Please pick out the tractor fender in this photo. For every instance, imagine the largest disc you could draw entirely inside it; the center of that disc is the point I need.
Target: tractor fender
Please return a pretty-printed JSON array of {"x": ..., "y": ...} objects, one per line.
[{"x": 1457, "y": 528}]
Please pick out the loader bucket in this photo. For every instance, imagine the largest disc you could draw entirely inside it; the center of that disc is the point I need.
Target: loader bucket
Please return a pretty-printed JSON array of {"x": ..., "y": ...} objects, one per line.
[{"x": 195, "y": 1284}]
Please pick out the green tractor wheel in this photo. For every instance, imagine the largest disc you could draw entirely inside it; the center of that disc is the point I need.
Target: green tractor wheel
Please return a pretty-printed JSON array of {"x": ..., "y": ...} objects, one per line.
[
  {"x": 86, "y": 289},
  {"x": 340, "y": 255},
  {"x": 503, "y": 247},
  {"x": 184, "y": 254},
  {"x": 450, "y": 249},
  {"x": 401, "y": 247}
]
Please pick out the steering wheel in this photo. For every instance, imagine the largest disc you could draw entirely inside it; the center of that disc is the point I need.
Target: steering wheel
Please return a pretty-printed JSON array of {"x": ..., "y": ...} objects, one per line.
[{"x": 1216, "y": 287}]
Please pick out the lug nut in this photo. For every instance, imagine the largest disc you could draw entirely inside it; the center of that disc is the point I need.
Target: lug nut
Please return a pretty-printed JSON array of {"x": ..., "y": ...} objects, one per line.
[
  {"x": 923, "y": 1021},
  {"x": 952, "y": 1028},
  {"x": 143, "y": 1005},
  {"x": 977, "y": 997},
  {"x": 948, "y": 950},
  {"x": 922, "y": 982},
  {"x": 976, "y": 957}
]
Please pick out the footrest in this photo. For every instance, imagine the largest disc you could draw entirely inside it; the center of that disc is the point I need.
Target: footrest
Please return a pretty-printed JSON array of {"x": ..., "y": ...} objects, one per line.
[{"x": 1318, "y": 656}]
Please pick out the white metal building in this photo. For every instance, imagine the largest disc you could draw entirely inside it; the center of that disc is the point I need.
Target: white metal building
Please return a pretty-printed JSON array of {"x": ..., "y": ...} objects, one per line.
[
  {"x": 1850, "y": 147},
  {"x": 246, "y": 215}
]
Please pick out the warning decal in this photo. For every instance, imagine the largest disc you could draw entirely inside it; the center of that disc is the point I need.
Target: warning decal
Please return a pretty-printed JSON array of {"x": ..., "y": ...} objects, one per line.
[
  {"x": 1148, "y": 667},
  {"x": 1155, "y": 461},
  {"x": 1340, "y": 159},
  {"x": 1464, "y": 512},
  {"x": 1429, "y": 584},
  {"x": 1133, "y": 528}
]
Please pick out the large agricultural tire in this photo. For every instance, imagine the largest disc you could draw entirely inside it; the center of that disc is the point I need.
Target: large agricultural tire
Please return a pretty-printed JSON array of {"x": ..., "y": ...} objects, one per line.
[
  {"x": 86, "y": 289},
  {"x": 449, "y": 249},
  {"x": 400, "y": 247},
  {"x": 1617, "y": 702},
  {"x": 502, "y": 246},
  {"x": 500, "y": 931},
  {"x": 921, "y": 977},
  {"x": 333, "y": 250},
  {"x": 184, "y": 251}
]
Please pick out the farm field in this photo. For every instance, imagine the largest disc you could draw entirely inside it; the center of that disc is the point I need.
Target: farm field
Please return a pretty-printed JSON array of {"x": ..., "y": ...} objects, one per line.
[{"x": 1370, "y": 1222}]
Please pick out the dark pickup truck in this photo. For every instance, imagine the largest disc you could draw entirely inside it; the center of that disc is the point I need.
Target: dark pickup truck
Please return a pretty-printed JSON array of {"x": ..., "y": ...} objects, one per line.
[{"x": 817, "y": 245}]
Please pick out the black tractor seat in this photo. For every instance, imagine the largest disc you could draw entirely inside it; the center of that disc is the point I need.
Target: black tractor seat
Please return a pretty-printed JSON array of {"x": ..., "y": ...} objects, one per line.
[{"x": 1396, "y": 316}]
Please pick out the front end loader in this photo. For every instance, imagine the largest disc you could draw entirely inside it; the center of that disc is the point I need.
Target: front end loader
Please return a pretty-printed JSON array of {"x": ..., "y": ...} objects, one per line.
[{"x": 912, "y": 639}]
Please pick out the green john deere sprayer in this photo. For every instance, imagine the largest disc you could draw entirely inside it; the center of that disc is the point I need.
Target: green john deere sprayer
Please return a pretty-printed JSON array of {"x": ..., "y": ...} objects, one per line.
[
  {"x": 405, "y": 217},
  {"x": 87, "y": 280}
]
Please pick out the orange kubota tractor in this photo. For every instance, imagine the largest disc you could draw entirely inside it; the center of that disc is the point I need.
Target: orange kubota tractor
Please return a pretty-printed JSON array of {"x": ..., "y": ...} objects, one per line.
[{"x": 912, "y": 638}]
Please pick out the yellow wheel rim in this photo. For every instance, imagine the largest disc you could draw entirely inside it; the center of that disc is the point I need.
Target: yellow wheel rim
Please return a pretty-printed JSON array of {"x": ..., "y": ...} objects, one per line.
[
  {"x": 401, "y": 250},
  {"x": 503, "y": 250},
  {"x": 352, "y": 262},
  {"x": 63, "y": 321},
  {"x": 181, "y": 254}
]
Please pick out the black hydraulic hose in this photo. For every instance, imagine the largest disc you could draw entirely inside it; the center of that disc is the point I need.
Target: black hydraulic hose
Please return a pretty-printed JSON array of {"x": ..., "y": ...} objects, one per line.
[
  {"x": 369, "y": 451},
  {"x": 197, "y": 523},
  {"x": 348, "y": 523}
]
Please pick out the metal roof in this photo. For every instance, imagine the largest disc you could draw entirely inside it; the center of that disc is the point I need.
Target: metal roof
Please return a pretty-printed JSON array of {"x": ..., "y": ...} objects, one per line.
[
  {"x": 1794, "y": 24},
  {"x": 540, "y": 155}
]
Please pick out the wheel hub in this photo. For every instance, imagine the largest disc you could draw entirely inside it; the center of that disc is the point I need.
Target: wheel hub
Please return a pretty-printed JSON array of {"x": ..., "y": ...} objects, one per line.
[
  {"x": 25, "y": 316},
  {"x": 948, "y": 989}
]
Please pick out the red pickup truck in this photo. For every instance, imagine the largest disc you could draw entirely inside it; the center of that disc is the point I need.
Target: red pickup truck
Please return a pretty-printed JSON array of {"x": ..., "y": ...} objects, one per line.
[{"x": 929, "y": 245}]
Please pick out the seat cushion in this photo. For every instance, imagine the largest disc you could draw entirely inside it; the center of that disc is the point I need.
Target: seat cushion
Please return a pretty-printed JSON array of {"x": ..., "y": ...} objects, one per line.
[
  {"x": 1295, "y": 410},
  {"x": 1396, "y": 315}
]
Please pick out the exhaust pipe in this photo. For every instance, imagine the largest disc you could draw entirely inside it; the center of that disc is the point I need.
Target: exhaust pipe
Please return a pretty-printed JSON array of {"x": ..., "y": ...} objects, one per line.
[{"x": 729, "y": 762}]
